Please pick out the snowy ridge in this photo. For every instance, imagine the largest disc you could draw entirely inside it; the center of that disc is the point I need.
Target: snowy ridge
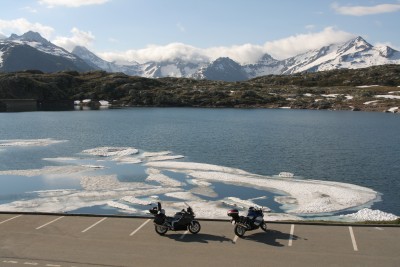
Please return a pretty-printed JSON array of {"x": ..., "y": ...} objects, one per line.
[
  {"x": 355, "y": 53},
  {"x": 32, "y": 51},
  {"x": 35, "y": 40}
]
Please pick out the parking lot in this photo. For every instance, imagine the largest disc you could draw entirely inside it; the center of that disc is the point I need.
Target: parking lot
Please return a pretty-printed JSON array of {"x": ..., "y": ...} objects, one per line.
[{"x": 77, "y": 241}]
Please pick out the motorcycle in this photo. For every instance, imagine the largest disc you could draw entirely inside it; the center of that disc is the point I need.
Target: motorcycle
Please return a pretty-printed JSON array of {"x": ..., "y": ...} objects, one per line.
[
  {"x": 253, "y": 220},
  {"x": 183, "y": 220}
]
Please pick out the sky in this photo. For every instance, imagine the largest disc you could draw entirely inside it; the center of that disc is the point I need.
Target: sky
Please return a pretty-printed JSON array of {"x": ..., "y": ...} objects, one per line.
[{"x": 244, "y": 30}]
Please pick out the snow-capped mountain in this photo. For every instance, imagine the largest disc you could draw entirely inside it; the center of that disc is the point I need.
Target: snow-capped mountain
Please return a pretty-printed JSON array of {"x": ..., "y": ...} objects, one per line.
[
  {"x": 32, "y": 51},
  {"x": 222, "y": 68},
  {"x": 97, "y": 63},
  {"x": 265, "y": 66},
  {"x": 170, "y": 68},
  {"x": 354, "y": 54},
  {"x": 152, "y": 69}
]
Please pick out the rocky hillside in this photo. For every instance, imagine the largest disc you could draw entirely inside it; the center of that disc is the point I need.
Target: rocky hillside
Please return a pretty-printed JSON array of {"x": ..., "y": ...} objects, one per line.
[{"x": 372, "y": 89}]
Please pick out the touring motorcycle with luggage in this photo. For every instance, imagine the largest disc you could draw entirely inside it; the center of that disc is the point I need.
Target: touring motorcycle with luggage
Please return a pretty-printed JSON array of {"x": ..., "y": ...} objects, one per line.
[
  {"x": 183, "y": 220},
  {"x": 253, "y": 220}
]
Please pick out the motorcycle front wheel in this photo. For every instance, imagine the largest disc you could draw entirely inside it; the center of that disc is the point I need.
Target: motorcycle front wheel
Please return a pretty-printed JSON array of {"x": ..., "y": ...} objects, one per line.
[
  {"x": 239, "y": 230},
  {"x": 264, "y": 226},
  {"x": 194, "y": 227},
  {"x": 161, "y": 229}
]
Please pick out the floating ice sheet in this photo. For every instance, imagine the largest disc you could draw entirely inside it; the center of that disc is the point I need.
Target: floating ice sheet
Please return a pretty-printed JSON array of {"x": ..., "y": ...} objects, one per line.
[
  {"x": 188, "y": 182},
  {"x": 306, "y": 196},
  {"x": 370, "y": 215},
  {"x": 111, "y": 151},
  {"x": 30, "y": 142}
]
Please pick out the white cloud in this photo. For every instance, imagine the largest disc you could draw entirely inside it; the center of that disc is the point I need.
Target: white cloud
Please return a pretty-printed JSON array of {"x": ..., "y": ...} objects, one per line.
[
  {"x": 21, "y": 25},
  {"x": 78, "y": 37},
  {"x": 71, "y": 3},
  {"x": 246, "y": 53},
  {"x": 365, "y": 10},
  {"x": 380, "y": 44},
  {"x": 157, "y": 53},
  {"x": 301, "y": 43}
]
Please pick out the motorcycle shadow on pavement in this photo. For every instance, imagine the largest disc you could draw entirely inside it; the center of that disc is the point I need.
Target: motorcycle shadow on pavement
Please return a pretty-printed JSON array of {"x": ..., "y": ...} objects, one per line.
[
  {"x": 199, "y": 238},
  {"x": 271, "y": 237}
]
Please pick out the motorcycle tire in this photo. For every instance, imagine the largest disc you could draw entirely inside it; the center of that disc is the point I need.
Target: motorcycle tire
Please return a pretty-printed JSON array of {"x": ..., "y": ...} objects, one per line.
[
  {"x": 240, "y": 230},
  {"x": 264, "y": 226},
  {"x": 194, "y": 227},
  {"x": 161, "y": 229}
]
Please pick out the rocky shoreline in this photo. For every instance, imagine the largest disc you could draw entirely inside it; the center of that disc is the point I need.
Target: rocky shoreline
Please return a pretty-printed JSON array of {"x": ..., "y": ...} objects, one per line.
[{"x": 370, "y": 89}]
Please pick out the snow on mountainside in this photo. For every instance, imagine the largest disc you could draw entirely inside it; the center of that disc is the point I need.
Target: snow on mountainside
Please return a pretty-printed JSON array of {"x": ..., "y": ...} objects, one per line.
[
  {"x": 171, "y": 68},
  {"x": 356, "y": 53},
  {"x": 224, "y": 69},
  {"x": 35, "y": 40},
  {"x": 265, "y": 66},
  {"x": 96, "y": 62},
  {"x": 32, "y": 51}
]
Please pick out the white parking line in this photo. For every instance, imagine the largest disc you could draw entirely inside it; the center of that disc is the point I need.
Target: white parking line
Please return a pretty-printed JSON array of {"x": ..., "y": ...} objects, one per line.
[
  {"x": 140, "y": 227},
  {"x": 93, "y": 225},
  {"x": 31, "y": 263},
  {"x": 10, "y": 219},
  {"x": 235, "y": 239},
  {"x": 49, "y": 222},
  {"x": 291, "y": 235},
  {"x": 183, "y": 235},
  {"x": 353, "y": 240}
]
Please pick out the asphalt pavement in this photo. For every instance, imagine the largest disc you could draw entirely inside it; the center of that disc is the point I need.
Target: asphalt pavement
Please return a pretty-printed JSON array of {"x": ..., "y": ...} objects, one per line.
[{"x": 87, "y": 241}]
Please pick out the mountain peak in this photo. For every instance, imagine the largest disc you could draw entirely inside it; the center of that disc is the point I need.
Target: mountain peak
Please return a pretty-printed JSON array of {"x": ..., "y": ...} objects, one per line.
[
  {"x": 360, "y": 43},
  {"x": 80, "y": 49},
  {"x": 29, "y": 36}
]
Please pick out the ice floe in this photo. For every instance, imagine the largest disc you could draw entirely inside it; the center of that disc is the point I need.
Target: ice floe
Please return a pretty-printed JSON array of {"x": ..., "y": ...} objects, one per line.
[
  {"x": 135, "y": 200},
  {"x": 304, "y": 196},
  {"x": 120, "y": 206},
  {"x": 111, "y": 151},
  {"x": 370, "y": 215},
  {"x": 156, "y": 154},
  {"x": 48, "y": 170},
  {"x": 108, "y": 182},
  {"x": 286, "y": 175},
  {"x": 157, "y": 176},
  {"x": 183, "y": 195},
  {"x": 99, "y": 187},
  {"x": 30, "y": 142},
  {"x": 241, "y": 203}
]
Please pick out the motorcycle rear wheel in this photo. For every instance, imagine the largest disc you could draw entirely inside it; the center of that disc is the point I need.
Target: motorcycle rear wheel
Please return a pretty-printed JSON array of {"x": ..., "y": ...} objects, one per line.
[
  {"x": 160, "y": 229},
  {"x": 194, "y": 227},
  {"x": 239, "y": 230}
]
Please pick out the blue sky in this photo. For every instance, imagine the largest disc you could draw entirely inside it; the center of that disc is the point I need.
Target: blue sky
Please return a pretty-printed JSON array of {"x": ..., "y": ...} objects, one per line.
[{"x": 142, "y": 30}]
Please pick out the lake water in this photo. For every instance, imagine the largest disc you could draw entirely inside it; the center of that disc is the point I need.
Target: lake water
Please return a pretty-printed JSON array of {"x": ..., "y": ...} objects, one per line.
[{"x": 360, "y": 148}]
